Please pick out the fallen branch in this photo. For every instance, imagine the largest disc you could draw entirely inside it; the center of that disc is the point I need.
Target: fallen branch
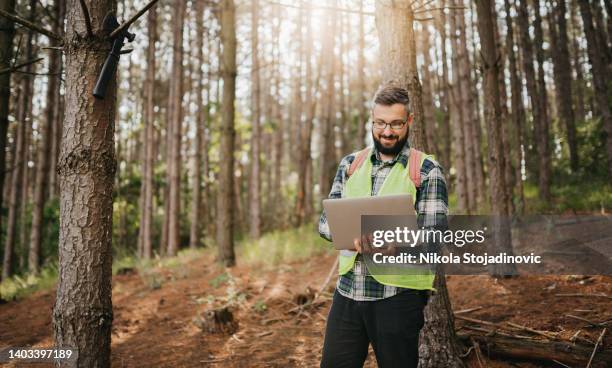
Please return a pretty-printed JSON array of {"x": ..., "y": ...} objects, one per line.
[
  {"x": 547, "y": 334},
  {"x": 467, "y": 310},
  {"x": 590, "y": 323},
  {"x": 599, "y": 341},
  {"x": 17, "y": 19},
  {"x": 566, "y": 353}
]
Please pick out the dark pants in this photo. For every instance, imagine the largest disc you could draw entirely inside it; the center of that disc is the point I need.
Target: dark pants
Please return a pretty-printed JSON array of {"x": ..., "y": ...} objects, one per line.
[{"x": 392, "y": 325}]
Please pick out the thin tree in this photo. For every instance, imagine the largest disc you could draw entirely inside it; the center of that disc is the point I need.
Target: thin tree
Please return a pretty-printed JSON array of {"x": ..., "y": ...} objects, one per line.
[
  {"x": 255, "y": 172},
  {"x": 458, "y": 120},
  {"x": 44, "y": 150},
  {"x": 439, "y": 346},
  {"x": 196, "y": 198},
  {"x": 146, "y": 212},
  {"x": 225, "y": 203},
  {"x": 493, "y": 117},
  {"x": 176, "y": 123},
  {"x": 516, "y": 103},
  {"x": 7, "y": 32},
  {"x": 328, "y": 118},
  {"x": 19, "y": 164},
  {"x": 562, "y": 67}
]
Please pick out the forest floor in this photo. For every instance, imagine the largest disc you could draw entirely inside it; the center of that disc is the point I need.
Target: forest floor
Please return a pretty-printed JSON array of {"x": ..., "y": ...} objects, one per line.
[{"x": 158, "y": 312}]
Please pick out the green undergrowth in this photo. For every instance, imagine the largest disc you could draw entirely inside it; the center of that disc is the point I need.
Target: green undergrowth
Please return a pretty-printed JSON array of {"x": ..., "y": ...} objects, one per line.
[
  {"x": 20, "y": 286},
  {"x": 283, "y": 246}
]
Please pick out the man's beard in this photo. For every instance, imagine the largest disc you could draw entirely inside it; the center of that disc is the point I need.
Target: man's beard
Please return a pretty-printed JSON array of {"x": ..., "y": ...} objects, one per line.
[{"x": 393, "y": 150}]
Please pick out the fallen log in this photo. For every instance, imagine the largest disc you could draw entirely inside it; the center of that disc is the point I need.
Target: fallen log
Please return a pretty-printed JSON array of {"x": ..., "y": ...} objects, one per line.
[{"x": 566, "y": 353}]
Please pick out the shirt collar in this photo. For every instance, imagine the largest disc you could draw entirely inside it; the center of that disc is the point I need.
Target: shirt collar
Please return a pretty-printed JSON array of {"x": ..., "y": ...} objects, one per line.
[{"x": 402, "y": 156}]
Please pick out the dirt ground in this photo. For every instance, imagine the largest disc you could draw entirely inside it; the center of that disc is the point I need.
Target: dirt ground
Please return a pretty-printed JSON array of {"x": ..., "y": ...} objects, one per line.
[{"x": 157, "y": 316}]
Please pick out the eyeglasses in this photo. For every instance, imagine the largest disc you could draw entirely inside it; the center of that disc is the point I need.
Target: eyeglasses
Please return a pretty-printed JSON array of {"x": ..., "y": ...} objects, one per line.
[{"x": 394, "y": 125}]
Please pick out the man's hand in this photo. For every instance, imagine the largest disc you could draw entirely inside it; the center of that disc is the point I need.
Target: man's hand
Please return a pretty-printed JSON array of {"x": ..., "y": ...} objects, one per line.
[{"x": 364, "y": 245}]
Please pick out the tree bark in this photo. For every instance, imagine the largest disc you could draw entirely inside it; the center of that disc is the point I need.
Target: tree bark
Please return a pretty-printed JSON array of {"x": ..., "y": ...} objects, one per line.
[
  {"x": 83, "y": 313},
  {"x": 7, "y": 32},
  {"x": 563, "y": 77},
  {"x": 255, "y": 177},
  {"x": 176, "y": 120},
  {"x": 543, "y": 128},
  {"x": 327, "y": 149},
  {"x": 530, "y": 74},
  {"x": 18, "y": 190},
  {"x": 458, "y": 120},
  {"x": 196, "y": 198},
  {"x": 146, "y": 212},
  {"x": 490, "y": 65},
  {"x": 225, "y": 204},
  {"x": 518, "y": 110},
  {"x": 397, "y": 42}
]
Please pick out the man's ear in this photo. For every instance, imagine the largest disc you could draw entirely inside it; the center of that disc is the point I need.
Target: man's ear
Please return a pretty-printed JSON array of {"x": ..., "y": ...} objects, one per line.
[{"x": 410, "y": 120}]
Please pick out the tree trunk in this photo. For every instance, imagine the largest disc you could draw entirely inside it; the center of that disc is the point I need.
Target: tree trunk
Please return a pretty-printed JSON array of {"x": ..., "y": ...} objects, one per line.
[
  {"x": 83, "y": 313},
  {"x": 254, "y": 188},
  {"x": 438, "y": 343},
  {"x": 44, "y": 150},
  {"x": 397, "y": 42},
  {"x": 225, "y": 204},
  {"x": 501, "y": 231},
  {"x": 518, "y": 110},
  {"x": 598, "y": 70},
  {"x": 563, "y": 77},
  {"x": 428, "y": 107},
  {"x": 146, "y": 212},
  {"x": 196, "y": 198},
  {"x": 18, "y": 189},
  {"x": 362, "y": 112},
  {"x": 458, "y": 120},
  {"x": 445, "y": 129},
  {"x": 327, "y": 149},
  {"x": 7, "y": 31},
  {"x": 543, "y": 134},
  {"x": 304, "y": 196},
  {"x": 528, "y": 68},
  {"x": 176, "y": 120},
  {"x": 16, "y": 178}
]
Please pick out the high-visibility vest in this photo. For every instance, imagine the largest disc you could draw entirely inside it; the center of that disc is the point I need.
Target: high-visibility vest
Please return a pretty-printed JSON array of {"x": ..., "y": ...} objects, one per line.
[{"x": 401, "y": 180}]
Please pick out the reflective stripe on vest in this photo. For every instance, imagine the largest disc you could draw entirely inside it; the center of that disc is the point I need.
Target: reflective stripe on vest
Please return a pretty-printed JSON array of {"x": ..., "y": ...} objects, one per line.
[{"x": 359, "y": 184}]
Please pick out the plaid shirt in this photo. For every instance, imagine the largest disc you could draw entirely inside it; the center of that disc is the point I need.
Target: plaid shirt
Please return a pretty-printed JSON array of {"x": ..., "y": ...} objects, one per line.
[{"x": 431, "y": 205}]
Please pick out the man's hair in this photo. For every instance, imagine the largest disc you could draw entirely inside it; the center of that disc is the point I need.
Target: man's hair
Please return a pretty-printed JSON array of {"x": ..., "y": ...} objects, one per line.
[{"x": 390, "y": 94}]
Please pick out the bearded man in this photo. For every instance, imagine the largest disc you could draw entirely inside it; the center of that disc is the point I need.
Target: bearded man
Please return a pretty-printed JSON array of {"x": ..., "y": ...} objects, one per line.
[{"x": 364, "y": 311}]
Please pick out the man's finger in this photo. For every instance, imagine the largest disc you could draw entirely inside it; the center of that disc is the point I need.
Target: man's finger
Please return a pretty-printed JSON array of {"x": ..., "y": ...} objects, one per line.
[{"x": 357, "y": 245}]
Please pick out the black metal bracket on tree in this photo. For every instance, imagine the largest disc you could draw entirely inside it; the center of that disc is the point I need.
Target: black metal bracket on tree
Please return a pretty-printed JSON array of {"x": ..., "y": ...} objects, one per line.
[
  {"x": 117, "y": 35},
  {"x": 110, "y": 65}
]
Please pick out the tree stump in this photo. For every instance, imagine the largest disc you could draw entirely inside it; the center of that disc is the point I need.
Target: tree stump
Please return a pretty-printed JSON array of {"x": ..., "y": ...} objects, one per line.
[{"x": 218, "y": 321}]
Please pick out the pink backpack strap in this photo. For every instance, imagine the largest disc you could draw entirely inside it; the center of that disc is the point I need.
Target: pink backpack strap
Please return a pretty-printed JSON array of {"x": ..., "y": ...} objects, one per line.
[
  {"x": 414, "y": 166},
  {"x": 358, "y": 161}
]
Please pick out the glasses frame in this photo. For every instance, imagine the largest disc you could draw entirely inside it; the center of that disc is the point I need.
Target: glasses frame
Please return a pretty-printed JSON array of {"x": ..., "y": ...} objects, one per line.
[{"x": 389, "y": 125}]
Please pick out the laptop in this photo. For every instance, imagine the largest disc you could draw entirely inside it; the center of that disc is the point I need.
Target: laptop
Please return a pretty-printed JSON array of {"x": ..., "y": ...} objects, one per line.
[{"x": 344, "y": 214}]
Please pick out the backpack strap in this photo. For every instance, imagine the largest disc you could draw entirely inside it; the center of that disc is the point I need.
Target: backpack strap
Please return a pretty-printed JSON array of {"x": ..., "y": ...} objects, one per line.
[
  {"x": 414, "y": 166},
  {"x": 358, "y": 161}
]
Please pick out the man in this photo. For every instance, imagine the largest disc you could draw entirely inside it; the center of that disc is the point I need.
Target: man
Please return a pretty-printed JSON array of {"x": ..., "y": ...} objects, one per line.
[{"x": 365, "y": 310}]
